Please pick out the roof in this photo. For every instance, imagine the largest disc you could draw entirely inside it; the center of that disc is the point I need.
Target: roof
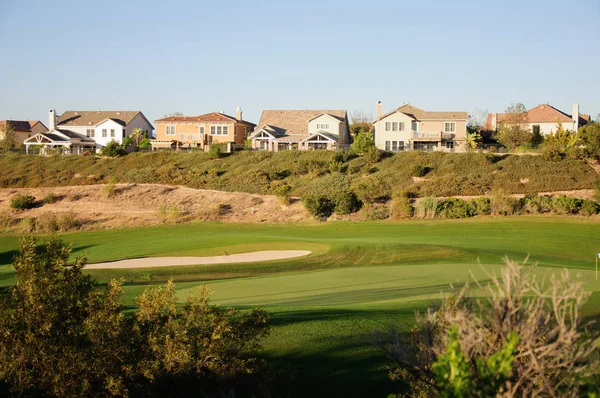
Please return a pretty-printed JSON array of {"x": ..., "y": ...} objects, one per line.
[
  {"x": 290, "y": 122},
  {"x": 21, "y": 125},
  {"x": 420, "y": 114},
  {"x": 92, "y": 118},
  {"x": 214, "y": 117},
  {"x": 544, "y": 113}
]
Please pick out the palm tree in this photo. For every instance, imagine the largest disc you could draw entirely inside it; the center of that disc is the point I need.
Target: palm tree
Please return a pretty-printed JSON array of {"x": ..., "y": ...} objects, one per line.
[{"x": 137, "y": 134}]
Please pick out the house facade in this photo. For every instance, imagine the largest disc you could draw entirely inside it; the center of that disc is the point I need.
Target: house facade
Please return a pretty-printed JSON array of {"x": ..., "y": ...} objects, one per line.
[
  {"x": 546, "y": 117},
  {"x": 178, "y": 132},
  {"x": 280, "y": 130},
  {"x": 80, "y": 131},
  {"x": 23, "y": 129},
  {"x": 410, "y": 128}
]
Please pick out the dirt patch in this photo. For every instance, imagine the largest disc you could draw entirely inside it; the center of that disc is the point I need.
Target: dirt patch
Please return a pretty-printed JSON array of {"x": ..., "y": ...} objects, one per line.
[
  {"x": 252, "y": 257},
  {"x": 131, "y": 205}
]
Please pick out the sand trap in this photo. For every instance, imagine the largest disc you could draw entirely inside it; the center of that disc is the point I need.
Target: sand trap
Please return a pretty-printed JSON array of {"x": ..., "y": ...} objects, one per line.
[{"x": 265, "y": 255}]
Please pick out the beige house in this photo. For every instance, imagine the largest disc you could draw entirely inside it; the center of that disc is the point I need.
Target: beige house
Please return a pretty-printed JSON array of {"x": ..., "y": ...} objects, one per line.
[
  {"x": 410, "y": 128},
  {"x": 546, "y": 117},
  {"x": 177, "y": 132},
  {"x": 301, "y": 130},
  {"x": 23, "y": 129}
]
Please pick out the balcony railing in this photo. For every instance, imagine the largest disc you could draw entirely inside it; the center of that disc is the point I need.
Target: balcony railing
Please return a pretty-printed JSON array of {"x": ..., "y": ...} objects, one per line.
[
  {"x": 431, "y": 136},
  {"x": 190, "y": 137}
]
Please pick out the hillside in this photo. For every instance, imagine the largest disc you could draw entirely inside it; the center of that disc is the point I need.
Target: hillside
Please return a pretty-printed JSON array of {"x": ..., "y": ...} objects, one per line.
[{"x": 296, "y": 173}]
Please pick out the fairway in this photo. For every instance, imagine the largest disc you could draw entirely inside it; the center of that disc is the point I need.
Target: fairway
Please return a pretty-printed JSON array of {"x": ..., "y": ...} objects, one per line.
[{"x": 359, "y": 277}]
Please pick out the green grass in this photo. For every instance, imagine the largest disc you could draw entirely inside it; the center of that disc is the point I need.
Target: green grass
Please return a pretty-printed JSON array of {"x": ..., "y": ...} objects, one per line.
[{"x": 360, "y": 277}]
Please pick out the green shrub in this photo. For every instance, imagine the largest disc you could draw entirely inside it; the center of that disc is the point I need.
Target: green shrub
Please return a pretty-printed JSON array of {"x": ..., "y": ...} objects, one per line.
[
  {"x": 480, "y": 206},
  {"x": 563, "y": 204},
  {"x": 373, "y": 155},
  {"x": 455, "y": 208},
  {"x": 216, "y": 151},
  {"x": 402, "y": 208},
  {"x": 318, "y": 205},
  {"x": 113, "y": 149},
  {"x": 22, "y": 202},
  {"x": 427, "y": 207},
  {"x": 371, "y": 189},
  {"x": 344, "y": 202},
  {"x": 589, "y": 208},
  {"x": 419, "y": 170},
  {"x": 504, "y": 205},
  {"x": 537, "y": 203},
  {"x": 50, "y": 198},
  {"x": 375, "y": 213}
]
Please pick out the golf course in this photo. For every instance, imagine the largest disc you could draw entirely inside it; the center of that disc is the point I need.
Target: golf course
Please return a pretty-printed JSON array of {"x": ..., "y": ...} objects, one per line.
[{"x": 357, "y": 278}]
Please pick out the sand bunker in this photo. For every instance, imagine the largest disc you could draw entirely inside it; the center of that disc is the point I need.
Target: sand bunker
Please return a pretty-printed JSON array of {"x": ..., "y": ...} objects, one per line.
[{"x": 265, "y": 255}]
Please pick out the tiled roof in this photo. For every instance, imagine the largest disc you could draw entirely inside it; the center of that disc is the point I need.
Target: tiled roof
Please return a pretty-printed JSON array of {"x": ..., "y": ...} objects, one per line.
[
  {"x": 290, "y": 122},
  {"x": 20, "y": 125},
  {"x": 206, "y": 118},
  {"x": 92, "y": 118},
  {"x": 544, "y": 113}
]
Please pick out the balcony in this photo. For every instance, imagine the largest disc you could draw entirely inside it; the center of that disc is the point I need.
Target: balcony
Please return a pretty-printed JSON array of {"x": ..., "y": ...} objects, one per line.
[
  {"x": 190, "y": 137},
  {"x": 431, "y": 137}
]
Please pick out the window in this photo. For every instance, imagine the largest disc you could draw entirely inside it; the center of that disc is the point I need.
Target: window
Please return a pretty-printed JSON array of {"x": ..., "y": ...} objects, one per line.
[
  {"x": 322, "y": 126},
  {"x": 449, "y": 144},
  {"x": 387, "y": 126},
  {"x": 400, "y": 145},
  {"x": 103, "y": 133},
  {"x": 219, "y": 130},
  {"x": 200, "y": 129},
  {"x": 90, "y": 133},
  {"x": 394, "y": 126},
  {"x": 394, "y": 146},
  {"x": 170, "y": 129},
  {"x": 415, "y": 126},
  {"x": 112, "y": 133},
  {"x": 401, "y": 127},
  {"x": 387, "y": 145},
  {"x": 450, "y": 127},
  {"x": 123, "y": 133}
]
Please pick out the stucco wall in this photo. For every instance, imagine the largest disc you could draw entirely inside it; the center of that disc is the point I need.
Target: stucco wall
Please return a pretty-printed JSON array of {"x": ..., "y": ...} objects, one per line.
[
  {"x": 549, "y": 128},
  {"x": 381, "y": 136},
  {"x": 334, "y": 125}
]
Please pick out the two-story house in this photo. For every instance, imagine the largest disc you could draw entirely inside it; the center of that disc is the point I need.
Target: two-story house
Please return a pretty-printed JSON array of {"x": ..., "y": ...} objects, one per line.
[
  {"x": 22, "y": 129},
  {"x": 280, "y": 130},
  {"x": 201, "y": 131},
  {"x": 411, "y": 128},
  {"x": 79, "y": 131},
  {"x": 545, "y": 117}
]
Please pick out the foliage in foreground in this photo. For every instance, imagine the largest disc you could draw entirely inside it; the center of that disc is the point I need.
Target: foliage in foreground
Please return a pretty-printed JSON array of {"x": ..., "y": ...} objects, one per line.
[
  {"x": 524, "y": 338},
  {"x": 64, "y": 336}
]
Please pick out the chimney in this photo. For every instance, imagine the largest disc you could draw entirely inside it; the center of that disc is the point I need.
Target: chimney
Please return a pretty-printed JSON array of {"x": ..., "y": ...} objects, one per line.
[
  {"x": 379, "y": 111},
  {"x": 494, "y": 125},
  {"x": 238, "y": 113},
  {"x": 575, "y": 117},
  {"x": 51, "y": 119}
]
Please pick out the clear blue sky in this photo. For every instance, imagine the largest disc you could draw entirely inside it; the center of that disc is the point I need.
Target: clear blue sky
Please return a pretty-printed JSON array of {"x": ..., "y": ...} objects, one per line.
[{"x": 200, "y": 56}]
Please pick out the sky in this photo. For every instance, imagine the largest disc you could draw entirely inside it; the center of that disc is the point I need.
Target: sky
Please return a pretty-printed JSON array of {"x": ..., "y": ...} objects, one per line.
[{"x": 197, "y": 57}]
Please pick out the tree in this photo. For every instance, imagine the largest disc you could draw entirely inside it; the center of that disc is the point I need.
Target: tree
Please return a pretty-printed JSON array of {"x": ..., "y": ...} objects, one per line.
[
  {"x": 8, "y": 136},
  {"x": 137, "y": 134},
  {"x": 536, "y": 136},
  {"x": 539, "y": 324},
  {"x": 563, "y": 143},
  {"x": 514, "y": 129},
  {"x": 360, "y": 123},
  {"x": 362, "y": 143},
  {"x": 473, "y": 140},
  {"x": 113, "y": 149},
  {"x": 590, "y": 138},
  {"x": 62, "y": 335}
]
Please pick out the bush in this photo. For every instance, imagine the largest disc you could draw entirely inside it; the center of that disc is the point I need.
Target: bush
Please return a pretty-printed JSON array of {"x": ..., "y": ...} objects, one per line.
[
  {"x": 46, "y": 223},
  {"x": 480, "y": 206},
  {"x": 371, "y": 189},
  {"x": 318, "y": 205},
  {"x": 344, "y": 202},
  {"x": 504, "y": 205},
  {"x": 401, "y": 207},
  {"x": 374, "y": 213},
  {"x": 373, "y": 155},
  {"x": 427, "y": 207},
  {"x": 113, "y": 149},
  {"x": 22, "y": 202},
  {"x": 67, "y": 221},
  {"x": 216, "y": 151},
  {"x": 455, "y": 208},
  {"x": 589, "y": 208},
  {"x": 50, "y": 198},
  {"x": 537, "y": 203},
  {"x": 563, "y": 204},
  {"x": 419, "y": 170}
]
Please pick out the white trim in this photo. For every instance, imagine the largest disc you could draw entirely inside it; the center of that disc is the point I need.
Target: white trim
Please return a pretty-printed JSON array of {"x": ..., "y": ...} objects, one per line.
[{"x": 172, "y": 128}]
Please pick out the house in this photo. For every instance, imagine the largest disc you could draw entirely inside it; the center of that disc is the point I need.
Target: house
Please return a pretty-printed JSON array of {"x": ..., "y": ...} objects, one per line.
[
  {"x": 280, "y": 130},
  {"x": 201, "y": 131},
  {"x": 411, "y": 128},
  {"x": 546, "y": 117},
  {"x": 23, "y": 129},
  {"x": 80, "y": 131}
]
